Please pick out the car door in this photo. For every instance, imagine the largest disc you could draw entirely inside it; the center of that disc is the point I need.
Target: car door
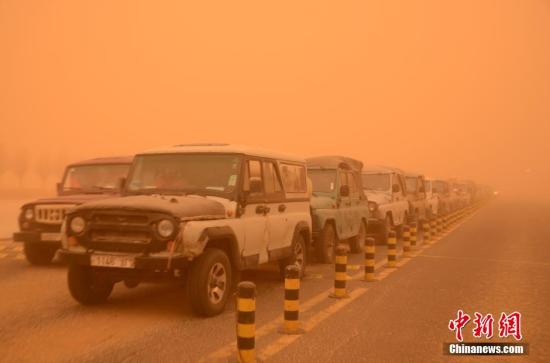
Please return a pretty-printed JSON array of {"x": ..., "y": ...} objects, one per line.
[
  {"x": 343, "y": 218},
  {"x": 254, "y": 217},
  {"x": 354, "y": 212},
  {"x": 278, "y": 226}
]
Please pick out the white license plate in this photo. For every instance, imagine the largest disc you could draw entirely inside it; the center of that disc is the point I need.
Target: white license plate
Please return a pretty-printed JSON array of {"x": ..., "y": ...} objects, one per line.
[
  {"x": 112, "y": 261},
  {"x": 48, "y": 236}
]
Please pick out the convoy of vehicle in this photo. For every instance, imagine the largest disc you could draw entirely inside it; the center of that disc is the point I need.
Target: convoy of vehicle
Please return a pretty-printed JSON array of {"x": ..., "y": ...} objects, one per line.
[
  {"x": 40, "y": 221},
  {"x": 203, "y": 213}
]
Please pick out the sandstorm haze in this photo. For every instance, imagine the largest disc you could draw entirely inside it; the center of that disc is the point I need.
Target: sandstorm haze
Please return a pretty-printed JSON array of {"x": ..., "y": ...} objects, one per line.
[{"x": 447, "y": 88}]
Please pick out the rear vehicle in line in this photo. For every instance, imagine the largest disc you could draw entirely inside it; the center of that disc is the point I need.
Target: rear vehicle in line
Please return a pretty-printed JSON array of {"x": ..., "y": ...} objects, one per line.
[
  {"x": 40, "y": 221},
  {"x": 388, "y": 205},
  {"x": 339, "y": 208},
  {"x": 199, "y": 213},
  {"x": 441, "y": 189},
  {"x": 416, "y": 195},
  {"x": 432, "y": 199},
  {"x": 461, "y": 193}
]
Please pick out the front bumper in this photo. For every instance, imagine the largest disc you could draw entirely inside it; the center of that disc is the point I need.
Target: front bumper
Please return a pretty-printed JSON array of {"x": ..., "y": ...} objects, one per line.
[
  {"x": 151, "y": 263},
  {"x": 33, "y": 237}
]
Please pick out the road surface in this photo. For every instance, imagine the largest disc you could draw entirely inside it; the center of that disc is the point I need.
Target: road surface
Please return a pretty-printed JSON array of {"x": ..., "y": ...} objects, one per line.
[{"x": 497, "y": 260}]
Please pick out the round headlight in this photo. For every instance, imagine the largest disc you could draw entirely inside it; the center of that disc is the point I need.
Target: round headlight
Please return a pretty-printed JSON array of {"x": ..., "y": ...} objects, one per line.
[
  {"x": 165, "y": 228},
  {"x": 29, "y": 214},
  {"x": 373, "y": 206},
  {"x": 78, "y": 224}
]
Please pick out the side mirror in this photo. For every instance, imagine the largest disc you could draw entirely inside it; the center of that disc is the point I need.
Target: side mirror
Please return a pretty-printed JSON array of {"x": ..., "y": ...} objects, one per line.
[
  {"x": 255, "y": 185},
  {"x": 121, "y": 183},
  {"x": 59, "y": 188},
  {"x": 395, "y": 188},
  {"x": 344, "y": 191}
]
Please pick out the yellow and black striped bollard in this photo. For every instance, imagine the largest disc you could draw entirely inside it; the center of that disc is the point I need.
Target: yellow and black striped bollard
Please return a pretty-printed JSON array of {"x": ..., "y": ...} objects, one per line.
[
  {"x": 369, "y": 259},
  {"x": 439, "y": 225},
  {"x": 392, "y": 249},
  {"x": 433, "y": 228},
  {"x": 406, "y": 241},
  {"x": 427, "y": 235},
  {"x": 340, "y": 273},
  {"x": 291, "y": 324},
  {"x": 414, "y": 235},
  {"x": 246, "y": 322},
  {"x": 445, "y": 220}
]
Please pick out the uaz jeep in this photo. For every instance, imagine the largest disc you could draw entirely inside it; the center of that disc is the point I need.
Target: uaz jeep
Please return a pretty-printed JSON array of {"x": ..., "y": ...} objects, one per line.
[
  {"x": 196, "y": 212},
  {"x": 338, "y": 205},
  {"x": 388, "y": 205},
  {"x": 40, "y": 221}
]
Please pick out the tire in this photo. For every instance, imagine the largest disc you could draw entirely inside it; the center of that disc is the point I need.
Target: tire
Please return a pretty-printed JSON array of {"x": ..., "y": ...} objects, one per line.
[
  {"x": 211, "y": 268},
  {"x": 326, "y": 245},
  {"x": 385, "y": 230},
  {"x": 86, "y": 286},
  {"x": 39, "y": 255},
  {"x": 298, "y": 257},
  {"x": 356, "y": 243}
]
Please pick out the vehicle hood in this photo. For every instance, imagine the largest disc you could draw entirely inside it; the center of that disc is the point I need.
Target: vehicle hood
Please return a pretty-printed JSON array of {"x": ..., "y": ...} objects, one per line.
[
  {"x": 378, "y": 197},
  {"x": 70, "y": 199},
  {"x": 321, "y": 202},
  {"x": 183, "y": 207}
]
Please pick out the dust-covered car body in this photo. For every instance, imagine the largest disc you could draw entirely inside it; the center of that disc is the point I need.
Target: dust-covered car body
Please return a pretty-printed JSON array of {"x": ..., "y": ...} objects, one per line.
[
  {"x": 461, "y": 193},
  {"x": 432, "y": 199},
  {"x": 40, "y": 220},
  {"x": 386, "y": 194},
  {"x": 339, "y": 208},
  {"x": 202, "y": 212},
  {"x": 441, "y": 189},
  {"x": 416, "y": 195}
]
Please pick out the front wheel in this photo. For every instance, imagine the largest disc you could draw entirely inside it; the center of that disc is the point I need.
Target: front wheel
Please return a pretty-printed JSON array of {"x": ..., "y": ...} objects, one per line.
[
  {"x": 209, "y": 282},
  {"x": 385, "y": 230},
  {"x": 37, "y": 254},
  {"x": 298, "y": 257},
  {"x": 87, "y": 286},
  {"x": 327, "y": 244},
  {"x": 356, "y": 243}
]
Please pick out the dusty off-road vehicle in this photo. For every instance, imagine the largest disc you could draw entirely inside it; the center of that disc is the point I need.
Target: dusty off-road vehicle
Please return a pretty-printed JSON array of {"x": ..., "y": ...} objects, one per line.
[
  {"x": 40, "y": 221},
  {"x": 199, "y": 213},
  {"x": 388, "y": 205},
  {"x": 441, "y": 190},
  {"x": 432, "y": 199},
  {"x": 339, "y": 208},
  {"x": 416, "y": 195}
]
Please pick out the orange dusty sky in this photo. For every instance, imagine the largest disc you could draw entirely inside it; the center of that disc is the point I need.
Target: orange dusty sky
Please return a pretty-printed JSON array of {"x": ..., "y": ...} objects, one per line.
[{"x": 450, "y": 88}]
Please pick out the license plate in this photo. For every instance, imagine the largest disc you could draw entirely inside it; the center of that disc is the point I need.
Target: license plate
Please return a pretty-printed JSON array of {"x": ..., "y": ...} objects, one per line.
[
  {"x": 112, "y": 261},
  {"x": 50, "y": 236}
]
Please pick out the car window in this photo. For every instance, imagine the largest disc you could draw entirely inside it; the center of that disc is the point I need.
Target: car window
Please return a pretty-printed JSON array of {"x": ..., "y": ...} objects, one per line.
[
  {"x": 272, "y": 184},
  {"x": 294, "y": 178},
  {"x": 253, "y": 171},
  {"x": 353, "y": 188}
]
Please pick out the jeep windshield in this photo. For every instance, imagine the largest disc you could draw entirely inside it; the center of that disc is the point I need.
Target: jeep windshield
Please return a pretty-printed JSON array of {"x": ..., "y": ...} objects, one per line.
[
  {"x": 100, "y": 178},
  {"x": 323, "y": 181},
  {"x": 376, "y": 182},
  {"x": 411, "y": 182},
  {"x": 181, "y": 174}
]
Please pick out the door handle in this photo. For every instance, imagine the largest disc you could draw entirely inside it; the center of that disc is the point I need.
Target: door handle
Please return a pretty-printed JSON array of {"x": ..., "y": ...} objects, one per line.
[
  {"x": 282, "y": 208},
  {"x": 260, "y": 209}
]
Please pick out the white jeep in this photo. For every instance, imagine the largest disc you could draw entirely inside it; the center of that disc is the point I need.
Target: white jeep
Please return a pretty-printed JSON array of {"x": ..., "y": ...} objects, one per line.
[
  {"x": 201, "y": 212},
  {"x": 388, "y": 206}
]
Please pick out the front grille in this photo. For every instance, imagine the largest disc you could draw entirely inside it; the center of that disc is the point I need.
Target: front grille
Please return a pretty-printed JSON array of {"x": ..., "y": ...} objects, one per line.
[
  {"x": 51, "y": 213},
  {"x": 122, "y": 231}
]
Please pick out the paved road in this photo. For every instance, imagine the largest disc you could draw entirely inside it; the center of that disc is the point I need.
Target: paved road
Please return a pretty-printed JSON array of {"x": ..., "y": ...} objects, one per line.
[{"x": 497, "y": 260}]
